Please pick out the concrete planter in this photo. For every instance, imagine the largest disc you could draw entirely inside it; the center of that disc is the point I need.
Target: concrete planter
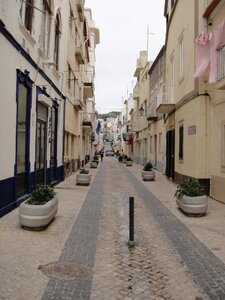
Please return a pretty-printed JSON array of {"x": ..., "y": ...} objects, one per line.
[
  {"x": 94, "y": 164},
  {"x": 37, "y": 217},
  {"x": 193, "y": 205},
  {"x": 83, "y": 179},
  {"x": 129, "y": 163},
  {"x": 148, "y": 175}
]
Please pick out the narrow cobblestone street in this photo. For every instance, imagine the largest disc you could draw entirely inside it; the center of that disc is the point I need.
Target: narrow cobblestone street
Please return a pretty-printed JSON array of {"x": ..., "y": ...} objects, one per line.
[{"x": 84, "y": 253}]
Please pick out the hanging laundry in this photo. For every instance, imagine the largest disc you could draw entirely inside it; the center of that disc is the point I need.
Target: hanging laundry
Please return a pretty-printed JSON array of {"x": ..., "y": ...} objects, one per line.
[
  {"x": 202, "y": 55},
  {"x": 217, "y": 41}
]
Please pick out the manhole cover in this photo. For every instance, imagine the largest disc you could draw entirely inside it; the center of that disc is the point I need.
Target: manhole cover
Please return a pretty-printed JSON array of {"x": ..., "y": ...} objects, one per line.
[{"x": 66, "y": 270}]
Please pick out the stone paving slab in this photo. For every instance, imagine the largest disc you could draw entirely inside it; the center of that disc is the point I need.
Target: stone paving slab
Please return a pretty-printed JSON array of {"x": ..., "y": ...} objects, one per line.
[
  {"x": 150, "y": 270},
  {"x": 207, "y": 268},
  {"x": 172, "y": 258},
  {"x": 23, "y": 251}
]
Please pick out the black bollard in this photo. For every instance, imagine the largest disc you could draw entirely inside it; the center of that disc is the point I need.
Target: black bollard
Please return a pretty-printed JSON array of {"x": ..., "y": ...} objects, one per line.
[{"x": 131, "y": 221}]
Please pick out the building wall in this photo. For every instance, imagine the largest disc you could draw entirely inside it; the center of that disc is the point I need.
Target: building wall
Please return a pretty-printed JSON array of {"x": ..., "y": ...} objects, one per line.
[{"x": 23, "y": 59}]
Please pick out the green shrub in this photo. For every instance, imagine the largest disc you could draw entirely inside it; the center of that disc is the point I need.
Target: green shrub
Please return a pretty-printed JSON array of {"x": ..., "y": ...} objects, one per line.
[
  {"x": 148, "y": 166},
  {"x": 189, "y": 187},
  {"x": 41, "y": 195},
  {"x": 84, "y": 171}
]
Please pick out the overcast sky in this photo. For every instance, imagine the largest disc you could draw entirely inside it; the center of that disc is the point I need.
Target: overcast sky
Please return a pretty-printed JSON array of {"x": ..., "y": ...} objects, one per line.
[{"x": 123, "y": 34}]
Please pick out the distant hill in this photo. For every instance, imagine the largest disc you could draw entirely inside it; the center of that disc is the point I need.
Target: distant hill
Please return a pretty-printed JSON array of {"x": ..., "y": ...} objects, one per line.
[{"x": 112, "y": 114}]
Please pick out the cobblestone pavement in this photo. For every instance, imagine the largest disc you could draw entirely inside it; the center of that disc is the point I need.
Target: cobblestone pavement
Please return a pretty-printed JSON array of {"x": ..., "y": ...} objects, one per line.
[
  {"x": 150, "y": 270},
  {"x": 84, "y": 253}
]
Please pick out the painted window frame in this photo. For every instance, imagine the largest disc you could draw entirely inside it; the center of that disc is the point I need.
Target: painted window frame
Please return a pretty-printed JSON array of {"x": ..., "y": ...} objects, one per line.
[
  {"x": 24, "y": 79},
  {"x": 47, "y": 25},
  {"x": 57, "y": 40},
  {"x": 221, "y": 63},
  {"x": 26, "y": 14},
  {"x": 181, "y": 57}
]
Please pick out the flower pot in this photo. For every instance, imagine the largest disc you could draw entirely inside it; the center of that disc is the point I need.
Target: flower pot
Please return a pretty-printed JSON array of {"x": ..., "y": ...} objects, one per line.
[
  {"x": 148, "y": 175},
  {"x": 197, "y": 205},
  {"x": 94, "y": 164},
  {"x": 37, "y": 217},
  {"x": 129, "y": 163},
  {"x": 83, "y": 179}
]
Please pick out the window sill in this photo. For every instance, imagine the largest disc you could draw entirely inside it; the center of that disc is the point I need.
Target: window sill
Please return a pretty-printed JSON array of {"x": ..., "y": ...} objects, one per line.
[{"x": 27, "y": 34}]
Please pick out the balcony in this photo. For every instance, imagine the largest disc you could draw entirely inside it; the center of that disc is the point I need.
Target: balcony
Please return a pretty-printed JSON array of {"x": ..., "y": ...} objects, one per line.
[
  {"x": 163, "y": 106},
  {"x": 79, "y": 53},
  {"x": 221, "y": 69},
  {"x": 88, "y": 90},
  {"x": 136, "y": 92},
  {"x": 151, "y": 112},
  {"x": 78, "y": 104},
  {"x": 88, "y": 85},
  {"x": 87, "y": 120}
]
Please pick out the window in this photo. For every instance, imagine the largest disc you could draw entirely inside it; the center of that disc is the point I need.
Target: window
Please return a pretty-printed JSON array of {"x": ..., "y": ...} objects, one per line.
[
  {"x": 172, "y": 79},
  {"x": 181, "y": 142},
  {"x": 47, "y": 23},
  {"x": 160, "y": 142},
  {"x": 24, "y": 88},
  {"x": 172, "y": 4},
  {"x": 223, "y": 146},
  {"x": 71, "y": 19},
  {"x": 71, "y": 80},
  {"x": 57, "y": 38},
  {"x": 69, "y": 77},
  {"x": 27, "y": 14},
  {"x": 151, "y": 144},
  {"x": 181, "y": 46},
  {"x": 221, "y": 63}
]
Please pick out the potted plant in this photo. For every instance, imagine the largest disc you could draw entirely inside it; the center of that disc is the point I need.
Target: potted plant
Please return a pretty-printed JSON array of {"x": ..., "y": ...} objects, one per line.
[
  {"x": 40, "y": 209},
  {"x": 94, "y": 162},
  {"x": 83, "y": 177},
  {"x": 147, "y": 172},
  {"x": 129, "y": 162},
  {"x": 124, "y": 158},
  {"x": 191, "y": 198}
]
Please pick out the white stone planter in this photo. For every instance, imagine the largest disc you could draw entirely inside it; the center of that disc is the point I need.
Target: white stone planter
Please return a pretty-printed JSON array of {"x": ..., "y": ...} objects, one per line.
[
  {"x": 94, "y": 164},
  {"x": 193, "y": 205},
  {"x": 129, "y": 163},
  {"x": 148, "y": 175},
  {"x": 83, "y": 179},
  {"x": 37, "y": 217}
]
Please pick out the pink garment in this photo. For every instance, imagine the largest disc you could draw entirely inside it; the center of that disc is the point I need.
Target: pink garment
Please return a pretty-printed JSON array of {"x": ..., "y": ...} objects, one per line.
[
  {"x": 202, "y": 55},
  {"x": 217, "y": 41}
]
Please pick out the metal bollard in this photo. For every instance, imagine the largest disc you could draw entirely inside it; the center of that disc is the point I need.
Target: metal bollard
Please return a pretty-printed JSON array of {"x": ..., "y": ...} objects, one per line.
[{"x": 131, "y": 221}]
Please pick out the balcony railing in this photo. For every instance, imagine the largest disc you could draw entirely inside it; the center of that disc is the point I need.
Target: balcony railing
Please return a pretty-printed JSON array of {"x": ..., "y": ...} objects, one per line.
[
  {"x": 221, "y": 73},
  {"x": 79, "y": 52}
]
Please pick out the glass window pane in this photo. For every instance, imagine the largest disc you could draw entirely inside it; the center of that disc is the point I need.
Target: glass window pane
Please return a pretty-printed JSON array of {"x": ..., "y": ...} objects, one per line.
[{"x": 21, "y": 129}]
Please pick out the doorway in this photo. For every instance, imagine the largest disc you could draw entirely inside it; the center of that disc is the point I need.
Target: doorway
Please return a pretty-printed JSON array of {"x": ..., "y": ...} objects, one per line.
[
  {"x": 170, "y": 153},
  {"x": 22, "y": 141},
  {"x": 41, "y": 144}
]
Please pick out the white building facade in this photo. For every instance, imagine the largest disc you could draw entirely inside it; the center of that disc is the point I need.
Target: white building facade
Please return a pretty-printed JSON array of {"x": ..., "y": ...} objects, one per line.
[{"x": 32, "y": 35}]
